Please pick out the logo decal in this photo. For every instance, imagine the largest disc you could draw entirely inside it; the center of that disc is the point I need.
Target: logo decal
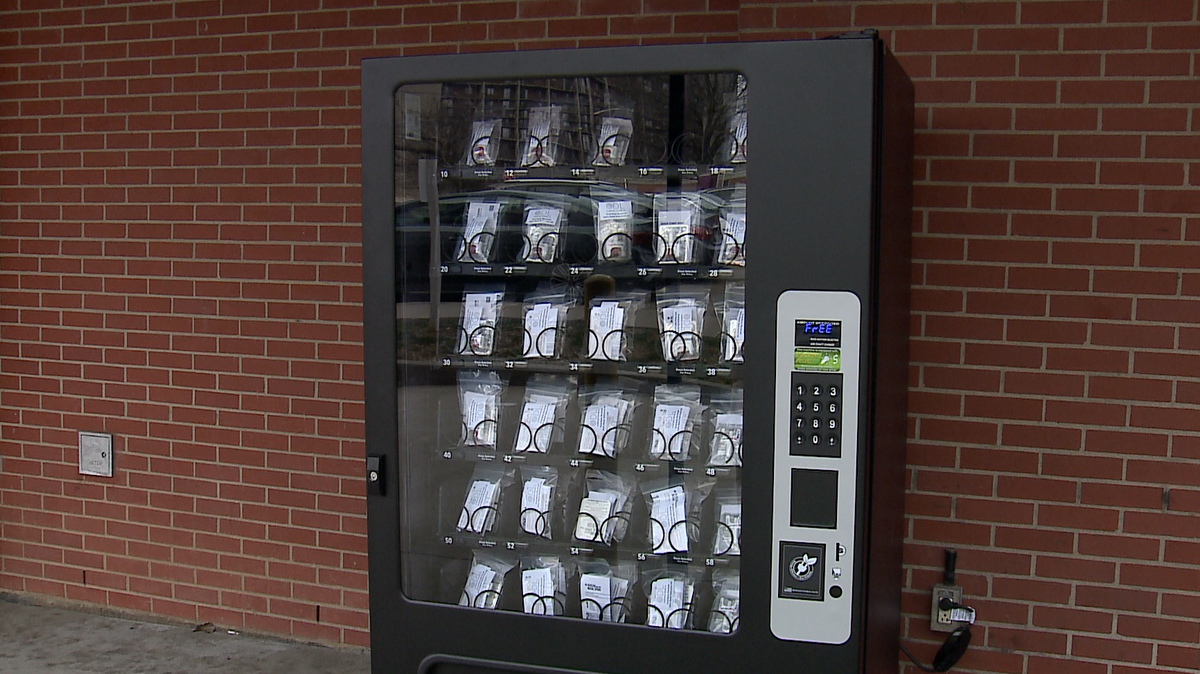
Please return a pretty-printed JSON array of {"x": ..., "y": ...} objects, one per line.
[{"x": 802, "y": 567}]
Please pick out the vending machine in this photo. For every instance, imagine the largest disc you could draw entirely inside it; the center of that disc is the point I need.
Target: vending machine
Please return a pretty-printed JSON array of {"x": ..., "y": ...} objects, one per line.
[{"x": 635, "y": 393}]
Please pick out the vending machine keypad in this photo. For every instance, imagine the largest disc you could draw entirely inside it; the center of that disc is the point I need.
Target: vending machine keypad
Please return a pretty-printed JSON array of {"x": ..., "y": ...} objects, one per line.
[
  {"x": 817, "y": 371},
  {"x": 816, "y": 414}
]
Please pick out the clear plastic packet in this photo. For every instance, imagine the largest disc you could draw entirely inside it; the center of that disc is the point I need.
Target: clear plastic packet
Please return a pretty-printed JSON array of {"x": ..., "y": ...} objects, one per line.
[
  {"x": 479, "y": 403},
  {"x": 732, "y": 312},
  {"x": 485, "y": 143},
  {"x": 481, "y": 503},
  {"x": 542, "y": 414},
  {"x": 726, "y": 411},
  {"x": 606, "y": 417},
  {"x": 674, "y": 508},
  {"x": 610, "y": 320},
  {"x": 679, "y": 224},
  {"x": 539, "y": 500},
  {"x": 678, "y": 413},
  {"x": 477, "y": 320},
  {"x": 681, "y": 310},
  {"x": 723, "y": 618},
  {"x": 732, "y": 248},
  {"x": 545, "y": 314},
  {"x": 543, "y": 585},
  {"x": 614, "y": 227},
  {"x": 479, "y": 232},
  {"x": 612, "y": 143},
  {"x": 727, "y": 522},
  {"x": 670, "y": 592},
  {"x": 541, "y": 136},
  {"x": 542, "y": 230},
  {"x": 604, "y": 590},
  {"x": 605, "y": 509},
  {"x": 485, "y": 580}
]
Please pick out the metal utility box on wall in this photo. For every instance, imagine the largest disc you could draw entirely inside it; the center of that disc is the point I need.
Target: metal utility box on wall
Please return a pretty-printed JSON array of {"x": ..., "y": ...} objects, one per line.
[{"x": 632, "y": 405}]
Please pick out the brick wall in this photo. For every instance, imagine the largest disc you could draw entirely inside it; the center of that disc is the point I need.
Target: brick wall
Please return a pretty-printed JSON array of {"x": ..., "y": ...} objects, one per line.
[{"x": 179, "y": 251}]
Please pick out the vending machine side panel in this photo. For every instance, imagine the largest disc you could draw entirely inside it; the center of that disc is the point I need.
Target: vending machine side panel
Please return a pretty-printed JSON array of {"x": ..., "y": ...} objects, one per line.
[{"x": 894, "y": 151}]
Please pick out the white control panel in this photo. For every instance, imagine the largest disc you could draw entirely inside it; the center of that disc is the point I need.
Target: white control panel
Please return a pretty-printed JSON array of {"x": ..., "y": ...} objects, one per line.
[{"x": 816, "y": 456}]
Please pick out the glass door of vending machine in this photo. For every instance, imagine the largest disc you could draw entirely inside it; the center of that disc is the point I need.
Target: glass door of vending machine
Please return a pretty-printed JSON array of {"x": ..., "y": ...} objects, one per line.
[{"x": 572, "y": 422}]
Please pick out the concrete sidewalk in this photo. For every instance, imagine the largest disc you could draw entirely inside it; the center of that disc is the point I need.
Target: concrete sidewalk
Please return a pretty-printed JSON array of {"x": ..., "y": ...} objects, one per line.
[{"x": 53, "y": 640}]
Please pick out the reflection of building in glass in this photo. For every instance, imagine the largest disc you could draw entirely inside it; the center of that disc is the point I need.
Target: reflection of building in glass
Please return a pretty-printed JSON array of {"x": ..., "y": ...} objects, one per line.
[{"x": 580, "y": 121}]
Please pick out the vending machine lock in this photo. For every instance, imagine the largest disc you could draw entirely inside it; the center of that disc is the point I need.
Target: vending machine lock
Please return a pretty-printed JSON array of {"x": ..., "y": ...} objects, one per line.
[{"x": 375, "y": 475}]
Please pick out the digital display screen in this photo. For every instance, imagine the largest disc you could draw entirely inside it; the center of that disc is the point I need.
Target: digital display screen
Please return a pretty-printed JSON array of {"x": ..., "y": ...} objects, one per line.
[
  {"x": 825, "y": 360},
  {"x": 819, "y": 333}
]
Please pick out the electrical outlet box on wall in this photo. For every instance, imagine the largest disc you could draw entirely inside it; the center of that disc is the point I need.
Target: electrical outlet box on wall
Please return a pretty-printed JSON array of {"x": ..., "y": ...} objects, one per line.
[{"x": 939, "y": 620}]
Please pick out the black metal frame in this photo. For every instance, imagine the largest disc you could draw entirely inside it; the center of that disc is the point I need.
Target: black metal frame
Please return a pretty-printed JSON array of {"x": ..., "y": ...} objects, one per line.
[{"x": 832, "y": 164}]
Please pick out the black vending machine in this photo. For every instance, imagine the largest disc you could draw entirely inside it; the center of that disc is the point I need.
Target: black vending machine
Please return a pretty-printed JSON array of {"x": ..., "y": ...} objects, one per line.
[{"x": 635, "y": 394}]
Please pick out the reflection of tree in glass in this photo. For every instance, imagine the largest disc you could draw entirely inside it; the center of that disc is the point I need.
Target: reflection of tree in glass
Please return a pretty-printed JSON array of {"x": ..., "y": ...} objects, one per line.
[{"x": 711, "y": 100}]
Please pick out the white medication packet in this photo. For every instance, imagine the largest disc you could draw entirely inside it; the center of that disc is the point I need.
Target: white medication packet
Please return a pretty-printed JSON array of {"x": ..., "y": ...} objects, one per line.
[
  {"x": 671, "y": 442},
  {"x": 735, "y": 335},
  {"x": 612, "y": 229},
  {"x": 541, "y": 328},
  {"x": 537, "y": 419},
  {"x": 726, "y": 441},
  {"x": 600, "y": 420},
  {"x": 535, "y": 507},
  {"x": 594, "y": 512},
  {"x": 729, "y": 530},
  {"x": 478, "y": 335},
  {"x": 479, "y": 418},
  {"x": 668, "y": 526},
  {"x": 673, "y": 246},
  {"x": 537, "y": 591},
  {"x": 607, "y": 325},
  {"x": 479, "y": 507},
  {"x": 595, "y": 592},
  {"x": 480, "y": 581}
]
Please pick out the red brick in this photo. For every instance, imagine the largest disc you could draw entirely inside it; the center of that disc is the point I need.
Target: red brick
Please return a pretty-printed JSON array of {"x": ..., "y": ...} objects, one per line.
[
  {"x": 1055, "y": 172},
  {"x": 1013, "y": 145},
  {"x": 1179, "y": 656},
  {"x": 993, "y": 511},
  {"x": 1111, "y": 649},
  {"x": 1121, "y": 599},
  {"x": 1074, "y": 620},
  {"x": 998, "y": 460},
  {"x": 1007, "y": 198},
  {"x": 1043, "y": 383},
  {"x": 1022, "y": 640},
  {"x": 1043, "y": 332},
  {"x": 1017, "y": 39},
  {"x": 1040, "y": 437},
  {"x": 1103, "y": 91},
  {"x": 1049, "y": 665},
  {"x": 1159, "y": 524},
  {"x": 1104, "y": 145},
  {"x": 1158, "y": 629},
  {"x": 907, "y": 14},
  {"x": 1128, "y": 443},
  {"x": 1073, "y": 517},
  {"x": 1056, "y": 119},
  {"x": 1150, "y": 11}
]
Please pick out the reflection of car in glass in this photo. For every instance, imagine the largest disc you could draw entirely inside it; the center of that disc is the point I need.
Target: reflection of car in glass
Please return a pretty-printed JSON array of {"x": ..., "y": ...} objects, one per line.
[{"x": 465, "y": 237}]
